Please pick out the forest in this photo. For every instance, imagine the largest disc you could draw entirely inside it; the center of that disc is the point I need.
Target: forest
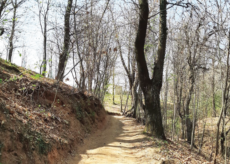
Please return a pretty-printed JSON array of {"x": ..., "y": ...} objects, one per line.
[{"x": 76, "y": 75}]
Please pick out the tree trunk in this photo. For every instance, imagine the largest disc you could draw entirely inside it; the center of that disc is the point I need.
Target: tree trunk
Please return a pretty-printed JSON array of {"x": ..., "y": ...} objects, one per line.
[
  {"x": 222, "y": 140},
  {"x": 113, "y": 86},
  {"x": 151, "y": 87},
  {"x": 64, "y": 55},
  {"x": 2, "y": 6},
  {"x": 141, "y": 116},
  {"x": 165, "y": 97},
  {"x": 44, "y": 48},
  {"x": 187, "y": 114},
  {"x": 175, "y": 84},
  {"x": 213, "y": 90},
  {"x": 50, "y": 66},
  {"x": 121, "y": 100},
  {"x": 182, "y": 129},
  {"x": 12, "y": 35},
  {"x": 178, "y": 103},
  {"x": 135, "y": 100},
  {"x": 90, "y": 79},
  {"x": 194, "y": 119},
  {"x": 153, "y": 117},
  {"x": 127, "y": 100},
  {"x": 183, "y": 122},
  {"x": 187, "y": 109}
]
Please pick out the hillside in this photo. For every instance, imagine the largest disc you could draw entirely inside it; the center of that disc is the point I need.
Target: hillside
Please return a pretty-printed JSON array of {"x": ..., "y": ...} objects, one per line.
[{"x": 40, "y": 123}]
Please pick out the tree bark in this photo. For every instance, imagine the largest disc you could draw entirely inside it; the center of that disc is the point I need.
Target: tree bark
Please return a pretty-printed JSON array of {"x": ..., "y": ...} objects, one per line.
[
  {"x": 64, "y": 55},
  {"x": 151, "y": 87},
  {"x": 140, "y": 106},
  {"x": 3, "y": 4},
  {"x": 113, "y": 86},
  {"x": 187, "y": 109},
  {"x": 213, "y": 90},
  {"x": 135, "y": 100},
  {"x": 12, "y": 33},
  {"x": 44, "y": 46},
  {"x": 166, "y": 97}
]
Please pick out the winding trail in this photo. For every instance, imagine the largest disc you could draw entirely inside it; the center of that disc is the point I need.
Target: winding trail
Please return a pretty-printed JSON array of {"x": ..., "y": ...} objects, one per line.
[{"x": 120, "y": 142}]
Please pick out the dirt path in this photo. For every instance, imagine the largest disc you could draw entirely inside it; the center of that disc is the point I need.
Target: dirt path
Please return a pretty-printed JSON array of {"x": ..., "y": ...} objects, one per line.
[{"x": 120, "y": 142}]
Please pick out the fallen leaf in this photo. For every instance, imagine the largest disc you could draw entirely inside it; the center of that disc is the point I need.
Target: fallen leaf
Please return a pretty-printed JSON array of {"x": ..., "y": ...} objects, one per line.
[
  {"x": 3, "y": 121},
  {"x": 24, "y": 122},
  {"x": 49, "y": 114}
]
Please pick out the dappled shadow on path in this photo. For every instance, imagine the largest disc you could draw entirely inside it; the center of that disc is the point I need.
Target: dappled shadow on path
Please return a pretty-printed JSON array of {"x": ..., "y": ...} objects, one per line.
[{"x": 118, "y": 142}]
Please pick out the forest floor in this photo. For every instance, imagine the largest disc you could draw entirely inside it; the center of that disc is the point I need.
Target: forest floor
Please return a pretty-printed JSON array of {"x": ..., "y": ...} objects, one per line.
[{"x": 123, "y": 141}]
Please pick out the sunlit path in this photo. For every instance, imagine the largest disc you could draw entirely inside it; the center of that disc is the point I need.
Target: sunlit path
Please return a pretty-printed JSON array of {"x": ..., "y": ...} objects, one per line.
[{"x": 119, "y": 142}]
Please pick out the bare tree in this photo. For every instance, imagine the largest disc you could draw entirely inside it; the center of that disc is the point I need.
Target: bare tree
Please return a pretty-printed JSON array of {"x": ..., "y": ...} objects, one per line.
[
  {"x": 16, "y": 4},
  {"x": 65, "y": 53},
  {"x": 151, "y": 87},
  {"x": 3, "y": 5},
  {"x": 43, "y": 14}
]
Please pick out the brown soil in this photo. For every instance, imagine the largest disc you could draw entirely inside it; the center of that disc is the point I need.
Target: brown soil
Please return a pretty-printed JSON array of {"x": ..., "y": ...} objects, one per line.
[
  {"x": 121, "y": 141},
  {"x": 36, "y": 129}
]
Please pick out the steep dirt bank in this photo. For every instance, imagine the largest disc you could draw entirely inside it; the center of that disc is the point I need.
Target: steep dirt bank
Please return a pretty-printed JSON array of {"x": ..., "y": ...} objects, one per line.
[{"x": 35, "y": 128}]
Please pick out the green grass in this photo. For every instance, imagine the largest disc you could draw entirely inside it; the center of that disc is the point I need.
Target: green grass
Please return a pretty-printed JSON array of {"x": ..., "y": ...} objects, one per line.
[{"x": 109, "y": 99}]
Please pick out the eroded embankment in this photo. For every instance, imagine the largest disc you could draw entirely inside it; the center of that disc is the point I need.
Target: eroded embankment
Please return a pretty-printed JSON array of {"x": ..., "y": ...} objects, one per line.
[{"x": 35, "y": 128}]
